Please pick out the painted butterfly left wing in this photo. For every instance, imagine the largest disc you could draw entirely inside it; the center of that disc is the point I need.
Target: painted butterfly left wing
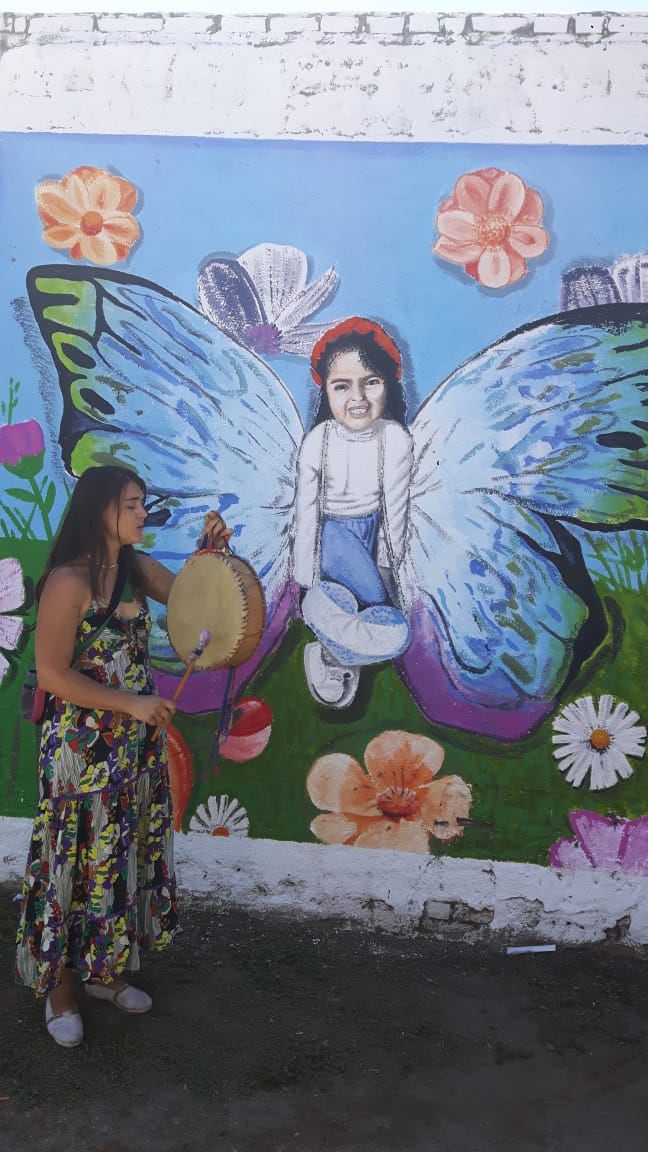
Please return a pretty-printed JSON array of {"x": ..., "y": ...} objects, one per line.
[{"x": 149, "y": 382}]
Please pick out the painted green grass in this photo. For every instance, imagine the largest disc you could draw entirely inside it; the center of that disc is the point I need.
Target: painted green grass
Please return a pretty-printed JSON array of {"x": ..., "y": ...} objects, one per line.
[
  {"x": 521, "y": 800},
  {"x": 621, "y": 559}
]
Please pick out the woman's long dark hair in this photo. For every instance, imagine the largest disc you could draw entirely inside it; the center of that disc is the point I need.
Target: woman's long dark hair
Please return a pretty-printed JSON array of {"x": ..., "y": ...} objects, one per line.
[
  {"x": 81, "y": 537},
  {"x": 375, "y": 359}
]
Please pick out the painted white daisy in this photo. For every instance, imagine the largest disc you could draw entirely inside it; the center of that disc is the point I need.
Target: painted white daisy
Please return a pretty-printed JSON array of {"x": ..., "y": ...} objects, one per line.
[
  {"x": 597, "y": 740},
  {"x": 220, "y": 817},
  {"x": 12, "y": 595}
]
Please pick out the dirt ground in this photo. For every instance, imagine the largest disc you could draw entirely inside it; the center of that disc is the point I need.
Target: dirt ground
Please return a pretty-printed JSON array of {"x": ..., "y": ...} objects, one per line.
[{"x": 271, "y": 1036}]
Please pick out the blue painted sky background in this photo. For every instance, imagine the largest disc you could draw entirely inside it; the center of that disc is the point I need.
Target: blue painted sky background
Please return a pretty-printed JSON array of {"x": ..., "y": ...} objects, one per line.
[{"x": 369, "y": 209}]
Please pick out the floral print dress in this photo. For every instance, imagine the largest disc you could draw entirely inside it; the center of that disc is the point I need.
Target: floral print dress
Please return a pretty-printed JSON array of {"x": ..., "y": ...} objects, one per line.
[{"x": 99, "y": 885}]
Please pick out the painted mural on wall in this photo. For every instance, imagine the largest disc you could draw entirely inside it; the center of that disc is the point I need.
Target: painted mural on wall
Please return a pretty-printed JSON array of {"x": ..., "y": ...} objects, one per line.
[{"x": 413, "y": 380}]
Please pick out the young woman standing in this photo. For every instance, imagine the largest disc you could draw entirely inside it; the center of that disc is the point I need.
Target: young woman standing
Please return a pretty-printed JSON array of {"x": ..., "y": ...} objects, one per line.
[{"x": 99, "y": 884}]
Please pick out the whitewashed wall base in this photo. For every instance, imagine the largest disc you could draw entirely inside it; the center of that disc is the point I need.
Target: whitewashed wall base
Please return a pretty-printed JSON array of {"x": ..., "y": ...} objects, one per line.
[{"x": 467, "y": 900}]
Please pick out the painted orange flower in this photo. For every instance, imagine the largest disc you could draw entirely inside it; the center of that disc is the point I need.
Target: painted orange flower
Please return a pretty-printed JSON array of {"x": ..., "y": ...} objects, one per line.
[
  {"x": 396, "y": 803},
  {"x": 89, "y": 212},
  {"x": 491, "y": 225}
]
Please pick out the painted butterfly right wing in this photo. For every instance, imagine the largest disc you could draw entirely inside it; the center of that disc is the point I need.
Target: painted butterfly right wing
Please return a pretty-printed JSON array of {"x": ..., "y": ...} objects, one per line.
[{"x": 545, "y": 430}]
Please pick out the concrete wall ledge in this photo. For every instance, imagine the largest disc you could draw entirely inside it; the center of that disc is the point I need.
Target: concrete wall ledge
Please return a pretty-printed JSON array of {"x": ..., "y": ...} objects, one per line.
[{"x": 465, "y": 900}]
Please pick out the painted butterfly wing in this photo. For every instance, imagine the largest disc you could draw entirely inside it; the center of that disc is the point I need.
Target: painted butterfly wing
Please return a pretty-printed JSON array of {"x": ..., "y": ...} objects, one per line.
[
  {"x": 149, "y": 382},
  {"x": 543, "y": 432}
]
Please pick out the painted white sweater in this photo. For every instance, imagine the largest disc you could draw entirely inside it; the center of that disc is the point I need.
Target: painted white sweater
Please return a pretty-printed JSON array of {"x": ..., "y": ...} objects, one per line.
[{"x": 362, "y": 472}]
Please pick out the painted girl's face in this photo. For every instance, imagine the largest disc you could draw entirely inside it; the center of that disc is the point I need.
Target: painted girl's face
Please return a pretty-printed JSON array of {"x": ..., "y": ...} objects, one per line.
[
  {"x": 124, "y": 518},
  {"x": 356, "y": 395}
]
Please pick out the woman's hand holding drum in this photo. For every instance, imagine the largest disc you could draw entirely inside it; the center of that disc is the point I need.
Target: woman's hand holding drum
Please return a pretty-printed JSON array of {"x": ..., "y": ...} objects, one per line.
[{"x": 216, "y": 534}]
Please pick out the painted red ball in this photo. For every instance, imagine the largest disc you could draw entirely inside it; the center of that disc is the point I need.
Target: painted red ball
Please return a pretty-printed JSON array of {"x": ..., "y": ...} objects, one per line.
[{"x": 250, "y": 732}]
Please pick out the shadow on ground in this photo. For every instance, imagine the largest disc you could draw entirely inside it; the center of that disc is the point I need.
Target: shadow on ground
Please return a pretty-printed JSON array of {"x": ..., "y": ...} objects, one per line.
[{"x": 270, "y": 1035}]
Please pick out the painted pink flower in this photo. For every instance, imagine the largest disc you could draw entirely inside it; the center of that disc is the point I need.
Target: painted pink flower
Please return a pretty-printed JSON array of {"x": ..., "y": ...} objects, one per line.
[
  {"x": 606, "y": 842},
  {"x": 89, "y": 212},
  {"x": 491, "y": 225},
  {"x": 395, "y": 803},
  {"x": 19, "y": 441}
]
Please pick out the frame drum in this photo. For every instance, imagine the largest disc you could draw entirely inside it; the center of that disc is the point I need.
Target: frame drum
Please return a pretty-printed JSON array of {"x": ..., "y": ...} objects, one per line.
[{"x": 220, "y": 592}]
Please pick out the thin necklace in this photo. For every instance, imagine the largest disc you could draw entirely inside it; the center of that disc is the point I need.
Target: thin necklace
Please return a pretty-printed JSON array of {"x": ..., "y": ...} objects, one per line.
[{"x": 106, "y": 566}]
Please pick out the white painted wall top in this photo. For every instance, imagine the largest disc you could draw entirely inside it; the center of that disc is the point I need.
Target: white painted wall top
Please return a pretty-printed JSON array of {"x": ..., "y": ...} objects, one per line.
[{"x": 413, "y": 77}]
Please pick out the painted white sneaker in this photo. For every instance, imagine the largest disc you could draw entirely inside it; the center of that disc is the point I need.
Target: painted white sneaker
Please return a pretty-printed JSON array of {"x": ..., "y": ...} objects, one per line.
[
  {"x": 128, "y": 998},
  {"x": 65, "y": 1028},
  {"x": 328, "y": 682}
]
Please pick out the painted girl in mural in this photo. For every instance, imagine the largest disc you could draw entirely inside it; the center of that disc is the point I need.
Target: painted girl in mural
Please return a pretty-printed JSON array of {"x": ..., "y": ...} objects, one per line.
[
  {"x": 351, "y": 508},
  {"x": 99, "y": 885}
]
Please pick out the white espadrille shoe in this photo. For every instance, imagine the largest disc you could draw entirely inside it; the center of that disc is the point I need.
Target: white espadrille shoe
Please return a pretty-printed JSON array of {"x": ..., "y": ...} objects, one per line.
[
  {"x": 65, "y": 1028},
  {"x": 128, "y": 998}
]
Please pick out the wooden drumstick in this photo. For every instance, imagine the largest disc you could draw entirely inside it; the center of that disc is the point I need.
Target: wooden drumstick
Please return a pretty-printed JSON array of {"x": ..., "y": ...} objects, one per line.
[{"x": 203, "y": 641}]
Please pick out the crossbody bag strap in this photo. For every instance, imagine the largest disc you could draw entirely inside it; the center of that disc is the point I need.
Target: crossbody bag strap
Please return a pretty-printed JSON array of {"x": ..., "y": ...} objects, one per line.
[{"x": 117, "y": 592}]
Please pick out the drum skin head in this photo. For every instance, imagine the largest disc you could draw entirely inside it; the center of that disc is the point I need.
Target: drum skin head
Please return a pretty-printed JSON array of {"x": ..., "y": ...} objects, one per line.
[{"x": 220, "y": 593}]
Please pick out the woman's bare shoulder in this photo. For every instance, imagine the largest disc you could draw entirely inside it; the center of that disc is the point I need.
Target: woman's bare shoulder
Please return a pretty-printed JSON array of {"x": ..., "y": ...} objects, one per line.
[{"x": 69, "y": 580}]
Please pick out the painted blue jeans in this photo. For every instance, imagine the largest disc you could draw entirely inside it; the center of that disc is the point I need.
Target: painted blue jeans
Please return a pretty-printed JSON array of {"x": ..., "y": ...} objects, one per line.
[
  {"x": 349, "y": 608},
  {"x": 348, "y": 556}
]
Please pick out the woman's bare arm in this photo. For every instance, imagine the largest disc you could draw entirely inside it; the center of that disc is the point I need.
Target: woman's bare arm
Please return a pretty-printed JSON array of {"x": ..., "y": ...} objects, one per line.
[{"x": 158, "y": 579}]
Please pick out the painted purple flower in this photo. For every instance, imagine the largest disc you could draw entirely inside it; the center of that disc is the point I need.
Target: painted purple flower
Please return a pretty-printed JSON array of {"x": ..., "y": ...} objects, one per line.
[
  {"x": 20, "y": 440},
  {"x": 22, "y": 452},
  {"x": 623, "y": 281},
  {"x": 607, "y": 842},
  {"x": 263, "y": 300}
]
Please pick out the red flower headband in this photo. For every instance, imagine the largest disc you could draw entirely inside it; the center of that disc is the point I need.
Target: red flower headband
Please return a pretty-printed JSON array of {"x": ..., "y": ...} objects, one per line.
[{"x": 355, "y": 325}]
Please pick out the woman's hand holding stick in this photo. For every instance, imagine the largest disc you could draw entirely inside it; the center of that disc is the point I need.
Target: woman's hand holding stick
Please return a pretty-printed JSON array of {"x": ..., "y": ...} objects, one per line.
[{"x": 203, "y": 641}]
